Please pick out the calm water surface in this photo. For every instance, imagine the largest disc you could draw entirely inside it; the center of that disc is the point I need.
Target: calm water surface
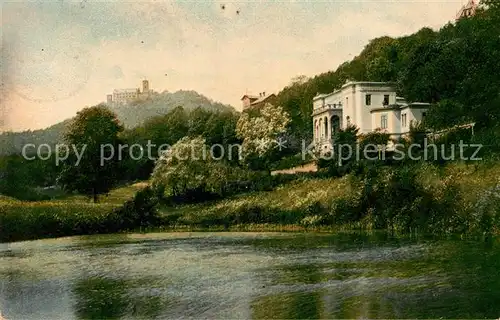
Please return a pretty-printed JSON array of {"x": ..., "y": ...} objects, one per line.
[{"x": 249, "y": 276}]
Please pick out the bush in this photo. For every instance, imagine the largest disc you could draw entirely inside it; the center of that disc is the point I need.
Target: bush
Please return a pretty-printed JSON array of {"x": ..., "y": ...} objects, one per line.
[
  {"x": 139, "y": 212},
  {"x": 290, "y": 162},
  {"x": 486, "y": 211}
]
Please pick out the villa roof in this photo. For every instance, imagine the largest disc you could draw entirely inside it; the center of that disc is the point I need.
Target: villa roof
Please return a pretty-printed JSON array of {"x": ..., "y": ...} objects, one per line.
[
  {"x": 262, "y": 99},
  {"x": 250, "y": 97},
  {"x": 368, "y": 83},
  {"x": 401, "y": 106},
  {"x": 352, "y": 83}
]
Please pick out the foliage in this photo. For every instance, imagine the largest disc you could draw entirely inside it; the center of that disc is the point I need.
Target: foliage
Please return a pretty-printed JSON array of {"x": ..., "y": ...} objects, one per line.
[
  {"x": 417, "y": 134},
  {"x": 19, "y": 177},
  {"x": 457, "y": 198},
  {"x": 373, "y": 144},
  {"x": 140, "y": 211},
  {"x": 260, "y": 134},
  {"x": 136, "y": 113},
  {"x": 183, "y": 167},
  {"x": 292, "y": 161},
  {"x": 343, "y": 159},
  {"x": 451, "y": 68},
  {"x": 188, "y": 173},
  {"x": 94, "y": 132},
  {"x": 131, "y": 115},
  {"x": 161, "y": 132},
  {"x": 20, "y": 220}
]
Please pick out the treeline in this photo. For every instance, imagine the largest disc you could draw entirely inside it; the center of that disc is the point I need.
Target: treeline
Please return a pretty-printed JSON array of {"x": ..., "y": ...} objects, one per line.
[
  {"x": 131, "y": 115},
  {"x": 456, "y": 69},
  {"x": 25, "y": 179}
]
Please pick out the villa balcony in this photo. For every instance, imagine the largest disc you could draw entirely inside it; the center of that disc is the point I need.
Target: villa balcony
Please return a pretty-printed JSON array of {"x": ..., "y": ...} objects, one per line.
[{"x": 327, "y": 107}]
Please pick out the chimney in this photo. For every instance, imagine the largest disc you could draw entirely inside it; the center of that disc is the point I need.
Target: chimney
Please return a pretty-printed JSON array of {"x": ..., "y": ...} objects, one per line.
[{"x": 264, "y": 94}]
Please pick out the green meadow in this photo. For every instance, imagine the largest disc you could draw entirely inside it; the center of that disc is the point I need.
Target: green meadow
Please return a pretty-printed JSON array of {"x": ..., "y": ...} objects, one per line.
[{"x": 292, "y": 206}]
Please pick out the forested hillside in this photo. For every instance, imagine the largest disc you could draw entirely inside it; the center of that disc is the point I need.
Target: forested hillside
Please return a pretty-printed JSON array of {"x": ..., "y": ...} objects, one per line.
[
  {"x": 131, "y": 115},
  {"x": 456, "y": 68}
]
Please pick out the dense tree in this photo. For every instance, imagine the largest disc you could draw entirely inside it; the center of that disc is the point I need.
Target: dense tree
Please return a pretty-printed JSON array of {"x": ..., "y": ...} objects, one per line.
[
  {"x": 261, "y": 135},
  {"x": 189, "y": 171},
  {"x": 343, "y": 156},
  {"x": 92, "y": 166}
]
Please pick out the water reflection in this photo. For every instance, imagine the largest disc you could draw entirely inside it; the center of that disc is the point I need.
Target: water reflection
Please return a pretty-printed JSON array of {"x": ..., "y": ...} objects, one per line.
[
  {"x": 295, "y": 305},
  {"x": 291, "y": 276},
  {"x": 108, "y": 298}
]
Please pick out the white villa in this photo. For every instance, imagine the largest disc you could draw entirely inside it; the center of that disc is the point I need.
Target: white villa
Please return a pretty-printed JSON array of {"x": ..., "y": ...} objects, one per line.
[{"x": 367, "y": 105}]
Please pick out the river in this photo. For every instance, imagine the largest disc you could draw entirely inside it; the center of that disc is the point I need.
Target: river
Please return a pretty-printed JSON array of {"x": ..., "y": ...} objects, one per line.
[{"x": 249, "y": 276}]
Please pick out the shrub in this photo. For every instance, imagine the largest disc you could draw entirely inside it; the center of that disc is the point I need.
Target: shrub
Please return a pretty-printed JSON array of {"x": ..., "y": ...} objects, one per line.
[
  {"x": 139, "y": 212},
  {"x": 486, "y": 211}
]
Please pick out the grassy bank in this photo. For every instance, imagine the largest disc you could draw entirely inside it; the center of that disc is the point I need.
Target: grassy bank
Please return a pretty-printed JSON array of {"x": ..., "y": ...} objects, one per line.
[
  {"x": 23, "y": 220},
  {"x": 295, "y": 206},
  {"x": 299, "y": 203}
]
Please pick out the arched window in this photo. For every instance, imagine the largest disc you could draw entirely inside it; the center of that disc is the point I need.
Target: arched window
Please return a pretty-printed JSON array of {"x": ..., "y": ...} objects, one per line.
[
  {"x": 335, "y": 124},
  {"x": 321, "y": 127},
  {"x": 326, "y": 127},
  {"x": 316, "y": 131}
]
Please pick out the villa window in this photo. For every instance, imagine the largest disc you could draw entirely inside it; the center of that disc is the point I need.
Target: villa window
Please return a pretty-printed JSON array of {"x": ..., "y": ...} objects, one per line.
[
  {"x": 383, "y": 121},
  {"x": 334, "y": 124},
  {"x": 403, "y": 120},
  {"x": 386, "y": 100},
  {"x": 368, "y": 99},
  {"x": 326, "y": 128}
]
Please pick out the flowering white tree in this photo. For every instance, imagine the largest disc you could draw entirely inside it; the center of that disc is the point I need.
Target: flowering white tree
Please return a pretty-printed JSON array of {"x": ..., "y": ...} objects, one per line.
[
  {"x": 190, "y": 166},
  {"x": 260, "y": 133},
  {"x": 182, "y": 167}
]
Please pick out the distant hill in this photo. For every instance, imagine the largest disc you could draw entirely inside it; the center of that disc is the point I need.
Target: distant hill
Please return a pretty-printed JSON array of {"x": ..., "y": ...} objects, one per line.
[
  {"x": 131, "y": 115},
  {"x": 137, "y": 112},
  {"x": 13, "y": 142}
]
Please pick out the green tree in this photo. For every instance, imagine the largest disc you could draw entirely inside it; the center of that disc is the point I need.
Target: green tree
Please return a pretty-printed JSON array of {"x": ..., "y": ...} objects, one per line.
[
  {"x": 343, "y": 158},
  {"x": 374, "y": 139},
  {"x": 260, "y": 135},
  {"x": 94, "y": 134},
  {"x": 198, "y": 119},
  {"x": 189, "y": 172}
]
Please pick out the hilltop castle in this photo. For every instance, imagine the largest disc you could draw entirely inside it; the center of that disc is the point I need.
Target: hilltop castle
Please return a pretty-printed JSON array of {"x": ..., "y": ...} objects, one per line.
[{"x": 122, "y": 96}]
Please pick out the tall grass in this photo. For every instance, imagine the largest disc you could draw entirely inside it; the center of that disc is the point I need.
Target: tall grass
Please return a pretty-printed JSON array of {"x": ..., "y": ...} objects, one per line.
[
  {"x": 456, "y": 198},
  {"x": 32, "y": 220},
  {"x": 74, "y": 215},
  {"x": 424, "y": 198}
]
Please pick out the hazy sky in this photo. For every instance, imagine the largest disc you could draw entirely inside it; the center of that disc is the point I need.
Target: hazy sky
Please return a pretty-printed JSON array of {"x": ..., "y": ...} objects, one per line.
[{"x": 60, "y": 56}]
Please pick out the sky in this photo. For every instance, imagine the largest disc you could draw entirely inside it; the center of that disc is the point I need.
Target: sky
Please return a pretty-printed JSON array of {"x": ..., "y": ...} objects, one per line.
[{"x": 60, "y": 56}]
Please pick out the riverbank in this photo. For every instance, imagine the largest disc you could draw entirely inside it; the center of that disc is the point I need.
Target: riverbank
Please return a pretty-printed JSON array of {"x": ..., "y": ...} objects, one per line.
[
  {"x": 306, "y": 204},
  {"x": 311, "y": 204}
]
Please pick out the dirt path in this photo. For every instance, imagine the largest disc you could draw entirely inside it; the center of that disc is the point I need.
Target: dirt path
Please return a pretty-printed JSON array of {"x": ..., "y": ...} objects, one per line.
[{"x": 309, "y": 167}]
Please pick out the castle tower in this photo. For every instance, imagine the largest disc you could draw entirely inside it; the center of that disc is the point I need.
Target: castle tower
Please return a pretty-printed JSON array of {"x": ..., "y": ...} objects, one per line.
[
  {"x": 109, "y": 98},
  {"x": 145, "y": 86}
]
